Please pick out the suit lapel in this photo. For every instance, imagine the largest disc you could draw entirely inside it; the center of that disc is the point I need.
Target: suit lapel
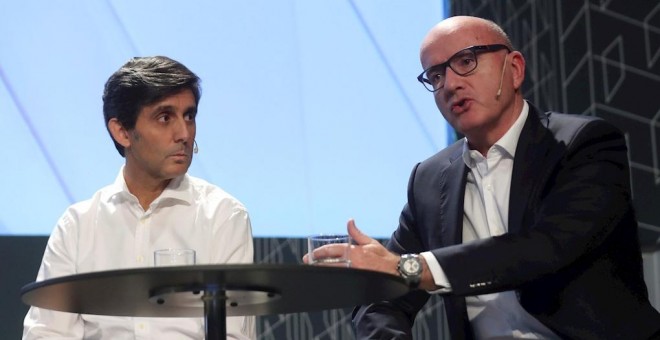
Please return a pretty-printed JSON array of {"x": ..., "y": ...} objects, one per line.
[
  {"x": 529, "y": 166},
  {"x": 451, "y": 211}
]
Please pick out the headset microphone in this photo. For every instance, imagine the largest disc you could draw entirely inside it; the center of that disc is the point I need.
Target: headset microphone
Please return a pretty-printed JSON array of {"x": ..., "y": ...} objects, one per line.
[
  {"x": 499, "y": 91},
  {"x": 195, "y": 148}
]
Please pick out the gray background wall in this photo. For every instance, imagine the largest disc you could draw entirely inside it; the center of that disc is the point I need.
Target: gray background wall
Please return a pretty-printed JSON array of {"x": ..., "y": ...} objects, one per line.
[{"x": 599, "y": 58}]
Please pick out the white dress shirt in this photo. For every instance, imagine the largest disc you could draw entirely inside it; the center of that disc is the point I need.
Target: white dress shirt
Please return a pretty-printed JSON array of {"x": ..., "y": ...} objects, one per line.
[
  {"x": 485, "y": 214},
  {"x": 112, "y": 231}
]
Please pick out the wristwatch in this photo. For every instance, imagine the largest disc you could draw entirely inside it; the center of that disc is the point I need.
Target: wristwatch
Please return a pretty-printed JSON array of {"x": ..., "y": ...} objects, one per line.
[{"x": 410, "y": 268}]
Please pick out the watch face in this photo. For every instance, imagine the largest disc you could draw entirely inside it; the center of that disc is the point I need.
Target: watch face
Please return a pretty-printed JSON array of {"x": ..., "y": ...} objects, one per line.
[{"x": 411, "y": 266}]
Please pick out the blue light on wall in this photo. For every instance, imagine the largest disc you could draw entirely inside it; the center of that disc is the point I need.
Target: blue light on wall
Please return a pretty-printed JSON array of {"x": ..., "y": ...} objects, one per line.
[{"x": 310, "y": 113}]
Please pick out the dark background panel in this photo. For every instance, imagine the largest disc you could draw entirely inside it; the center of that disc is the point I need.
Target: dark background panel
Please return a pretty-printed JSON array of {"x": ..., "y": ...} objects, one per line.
[
  {"x": 20, "y": 257},
  {"x": 599, "y": 58}
]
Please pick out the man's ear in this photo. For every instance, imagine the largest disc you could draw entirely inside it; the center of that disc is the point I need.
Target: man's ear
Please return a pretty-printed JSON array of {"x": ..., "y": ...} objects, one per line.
[
  {"x": 119, "y": 133},
  {"x": 517, "y": 69}
]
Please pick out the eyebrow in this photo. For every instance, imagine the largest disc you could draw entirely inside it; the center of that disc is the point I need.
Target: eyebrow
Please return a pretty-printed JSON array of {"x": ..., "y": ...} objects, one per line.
[
  {"x": 171, "y": 108},
  {"x": 441, "y": 67}
]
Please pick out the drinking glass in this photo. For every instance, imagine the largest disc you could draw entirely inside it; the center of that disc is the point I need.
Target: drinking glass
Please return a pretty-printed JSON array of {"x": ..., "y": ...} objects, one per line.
[
  {"x": 174, "y": 257},
  {"x": 335, "y": 252}
]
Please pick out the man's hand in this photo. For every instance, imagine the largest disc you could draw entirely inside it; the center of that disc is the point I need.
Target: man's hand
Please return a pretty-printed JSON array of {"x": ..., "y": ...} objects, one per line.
[{"x": 369, "y": 254}]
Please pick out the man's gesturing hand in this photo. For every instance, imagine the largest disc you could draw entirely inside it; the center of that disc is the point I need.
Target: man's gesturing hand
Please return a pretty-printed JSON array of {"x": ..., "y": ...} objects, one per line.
[{"x": 368, "y": 253}]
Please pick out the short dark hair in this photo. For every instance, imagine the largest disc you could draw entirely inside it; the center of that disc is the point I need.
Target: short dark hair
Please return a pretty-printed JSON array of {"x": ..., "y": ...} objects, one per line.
[{"x": 143, "y": 81}]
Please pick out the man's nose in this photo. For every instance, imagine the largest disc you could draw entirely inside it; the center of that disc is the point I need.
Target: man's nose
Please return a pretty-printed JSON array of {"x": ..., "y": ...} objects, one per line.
[
  {"x": 183, "y": 130},
  {"x": 452, "y": 80}
]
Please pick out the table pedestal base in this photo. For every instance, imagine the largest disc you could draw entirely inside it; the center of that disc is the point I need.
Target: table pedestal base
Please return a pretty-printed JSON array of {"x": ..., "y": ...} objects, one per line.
[
  {"x": 215, "y": 310},
  {"x": 215, "y": 300}
]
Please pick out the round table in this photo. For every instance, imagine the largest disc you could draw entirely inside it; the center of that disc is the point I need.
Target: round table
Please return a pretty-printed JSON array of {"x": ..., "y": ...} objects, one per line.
[{"x": 213, "y": 291}]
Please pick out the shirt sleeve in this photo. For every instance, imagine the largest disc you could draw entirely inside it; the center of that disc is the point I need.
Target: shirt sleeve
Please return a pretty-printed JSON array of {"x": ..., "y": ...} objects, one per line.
[
  {"x": 439, "y": 276},
  {"x": 58, "y": 260},
  {"x": 235, "y": 237}
]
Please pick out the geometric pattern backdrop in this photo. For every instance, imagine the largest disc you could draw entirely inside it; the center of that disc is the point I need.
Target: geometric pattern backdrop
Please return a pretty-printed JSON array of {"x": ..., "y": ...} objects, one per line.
[{"x": 599, "y": 58}]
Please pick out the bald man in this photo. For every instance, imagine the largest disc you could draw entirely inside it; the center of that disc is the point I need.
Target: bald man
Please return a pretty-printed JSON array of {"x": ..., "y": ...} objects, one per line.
[{"x": 526, "y": 225}]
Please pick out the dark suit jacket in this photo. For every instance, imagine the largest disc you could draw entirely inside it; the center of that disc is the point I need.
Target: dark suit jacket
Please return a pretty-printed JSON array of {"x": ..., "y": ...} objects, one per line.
[{"x": 571, "y": 252}]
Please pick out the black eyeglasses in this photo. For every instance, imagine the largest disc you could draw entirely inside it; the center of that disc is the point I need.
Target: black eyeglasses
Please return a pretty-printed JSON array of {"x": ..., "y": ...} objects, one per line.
[{"x": 462, "y": 63}]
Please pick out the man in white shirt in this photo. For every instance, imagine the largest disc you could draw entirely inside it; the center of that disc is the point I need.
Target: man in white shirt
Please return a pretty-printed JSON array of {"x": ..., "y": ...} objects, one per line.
[
  {"x": 150, "y": 108},
  {"x": 526, "y": 225}
]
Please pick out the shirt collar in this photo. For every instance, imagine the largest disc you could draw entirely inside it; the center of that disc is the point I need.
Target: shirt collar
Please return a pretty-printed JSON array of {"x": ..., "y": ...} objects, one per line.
[
  {"x": 179, "y": 188},
  {"x": 507, "y": 143}
]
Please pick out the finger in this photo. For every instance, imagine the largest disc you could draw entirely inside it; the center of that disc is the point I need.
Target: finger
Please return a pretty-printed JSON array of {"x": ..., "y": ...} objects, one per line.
[
  {"x": 330, "y": 251},
  {"x": 356, "y": 234},
  {"x": 336, "y": 250}
]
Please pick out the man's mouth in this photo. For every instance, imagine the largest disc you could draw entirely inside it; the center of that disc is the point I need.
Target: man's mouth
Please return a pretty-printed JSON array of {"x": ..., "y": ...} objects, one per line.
[
  {"x": 459, "y": 106},
  {"x": 179, "y": 154}
]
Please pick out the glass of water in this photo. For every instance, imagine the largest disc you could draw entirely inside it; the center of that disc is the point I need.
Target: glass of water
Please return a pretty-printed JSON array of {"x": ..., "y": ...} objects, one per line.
[
  {"x": 329, "y": 250},
  {"x": 174, "y": 257}
]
